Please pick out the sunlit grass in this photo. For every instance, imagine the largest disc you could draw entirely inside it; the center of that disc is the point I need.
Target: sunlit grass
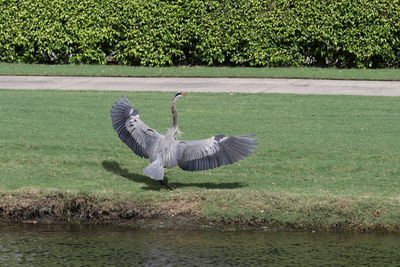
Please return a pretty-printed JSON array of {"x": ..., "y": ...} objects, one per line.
[
  {"x": 198, "y": 71},
  {"x": 341, "y": 145}
]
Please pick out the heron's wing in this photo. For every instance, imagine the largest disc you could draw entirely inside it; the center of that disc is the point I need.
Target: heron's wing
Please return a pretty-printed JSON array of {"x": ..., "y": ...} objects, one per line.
[
  {"x": 198, "y": 155},
  {"x": 131, "y": 130}
]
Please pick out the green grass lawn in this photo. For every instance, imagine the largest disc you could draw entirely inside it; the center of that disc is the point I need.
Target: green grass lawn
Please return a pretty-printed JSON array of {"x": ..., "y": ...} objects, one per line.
[
  {"x": 197, "y": 71},
  {"x": 312, "y": 150}
]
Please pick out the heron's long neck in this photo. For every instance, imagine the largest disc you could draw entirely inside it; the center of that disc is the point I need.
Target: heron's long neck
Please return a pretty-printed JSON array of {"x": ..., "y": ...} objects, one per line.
[{"x": 174, "y": 127}]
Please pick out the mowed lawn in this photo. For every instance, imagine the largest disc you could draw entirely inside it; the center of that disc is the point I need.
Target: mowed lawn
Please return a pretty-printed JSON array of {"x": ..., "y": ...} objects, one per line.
[
  {"x": 198, "y": 71},
  {"x": 308, "y": 144}
]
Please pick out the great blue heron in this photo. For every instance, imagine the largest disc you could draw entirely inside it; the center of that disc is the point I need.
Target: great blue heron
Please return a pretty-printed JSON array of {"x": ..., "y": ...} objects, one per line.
[{"x": 166, "y": 151}]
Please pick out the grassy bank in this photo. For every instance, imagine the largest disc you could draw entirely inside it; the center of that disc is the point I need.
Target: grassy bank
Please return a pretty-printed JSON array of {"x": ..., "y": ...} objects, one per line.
[
  {"x": 249, "y": 209},
  {"x": 323, "y": 162},
  {"x": 126, "y": 71}
]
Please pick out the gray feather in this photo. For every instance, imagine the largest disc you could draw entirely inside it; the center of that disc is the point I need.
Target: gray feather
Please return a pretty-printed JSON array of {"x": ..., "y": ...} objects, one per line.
[
  {"x": 211, "y": 153},
  {"x": 155, "y": 170},
  {"x": 133, "y": 132}
]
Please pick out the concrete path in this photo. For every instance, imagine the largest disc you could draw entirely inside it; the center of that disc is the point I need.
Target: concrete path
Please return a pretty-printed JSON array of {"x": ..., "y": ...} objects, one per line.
[{"x": 249, "y": 85}]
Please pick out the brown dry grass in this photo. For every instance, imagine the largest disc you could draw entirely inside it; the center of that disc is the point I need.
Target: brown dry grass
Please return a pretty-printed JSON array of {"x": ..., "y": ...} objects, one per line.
[{"x": 58, "y": 206}]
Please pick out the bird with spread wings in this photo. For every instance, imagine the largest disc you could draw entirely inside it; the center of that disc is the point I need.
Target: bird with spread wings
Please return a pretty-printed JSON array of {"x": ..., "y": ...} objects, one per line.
[{"x": 166, "y": 151}]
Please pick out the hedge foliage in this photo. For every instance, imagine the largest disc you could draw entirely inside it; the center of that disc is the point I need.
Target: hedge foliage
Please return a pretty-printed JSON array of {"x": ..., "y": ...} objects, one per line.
[{"x": 341, "y": 33}]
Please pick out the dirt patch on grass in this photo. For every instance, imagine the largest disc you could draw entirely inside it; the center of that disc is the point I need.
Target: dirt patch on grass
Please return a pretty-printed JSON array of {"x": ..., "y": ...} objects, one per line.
[{"x": 37, "y": 206}]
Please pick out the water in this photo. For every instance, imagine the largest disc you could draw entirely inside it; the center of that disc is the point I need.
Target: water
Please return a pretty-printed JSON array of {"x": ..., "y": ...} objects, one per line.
[{"x": 94, "y": 245}]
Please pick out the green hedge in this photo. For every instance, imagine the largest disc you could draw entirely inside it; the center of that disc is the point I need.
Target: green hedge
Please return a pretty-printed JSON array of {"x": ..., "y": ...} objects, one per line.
[{"x": 342, "y": 33}]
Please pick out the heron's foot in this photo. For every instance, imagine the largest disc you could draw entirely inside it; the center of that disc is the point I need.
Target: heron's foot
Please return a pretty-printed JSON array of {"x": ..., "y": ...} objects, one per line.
[{"x": 165, "y": 183}]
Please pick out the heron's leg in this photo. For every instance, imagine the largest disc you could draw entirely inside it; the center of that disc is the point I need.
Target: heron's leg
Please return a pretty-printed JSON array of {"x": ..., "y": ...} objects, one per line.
[{"x": 165, "y": 183}]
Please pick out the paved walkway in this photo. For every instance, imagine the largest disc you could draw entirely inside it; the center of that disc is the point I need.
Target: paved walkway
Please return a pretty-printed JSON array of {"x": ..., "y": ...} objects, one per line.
[{"x": 249, "y": 85}]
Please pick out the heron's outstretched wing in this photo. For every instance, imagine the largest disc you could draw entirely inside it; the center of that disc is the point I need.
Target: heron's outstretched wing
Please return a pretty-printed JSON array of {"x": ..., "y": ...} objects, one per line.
[
  {"x": 198, "y": 155},
  {"x": 131, "y": 130}
]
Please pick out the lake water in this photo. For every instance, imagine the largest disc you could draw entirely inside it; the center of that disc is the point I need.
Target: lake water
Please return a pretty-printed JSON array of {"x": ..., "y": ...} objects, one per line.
[{"x": 105, "y": 245}]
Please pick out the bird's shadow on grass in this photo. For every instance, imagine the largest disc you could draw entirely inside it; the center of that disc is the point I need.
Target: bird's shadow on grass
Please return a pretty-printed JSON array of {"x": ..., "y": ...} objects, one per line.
[{"x": 114, "y": 167}]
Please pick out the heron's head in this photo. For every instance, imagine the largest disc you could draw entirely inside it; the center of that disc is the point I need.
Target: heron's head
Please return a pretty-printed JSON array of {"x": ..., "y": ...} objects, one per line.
[{"x": 179, "y": 95}]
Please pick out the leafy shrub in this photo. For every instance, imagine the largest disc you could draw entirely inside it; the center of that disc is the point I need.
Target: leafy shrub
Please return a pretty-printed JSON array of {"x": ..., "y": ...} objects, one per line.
[
  {"x": 341, "y": 33},
  {"x": 150, "y": 33}
]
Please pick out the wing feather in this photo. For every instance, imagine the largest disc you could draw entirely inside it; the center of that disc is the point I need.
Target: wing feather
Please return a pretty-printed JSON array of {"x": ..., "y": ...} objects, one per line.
[
  {"x": 131, "y": 130},
  {"x": 198, "y": 155}
]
